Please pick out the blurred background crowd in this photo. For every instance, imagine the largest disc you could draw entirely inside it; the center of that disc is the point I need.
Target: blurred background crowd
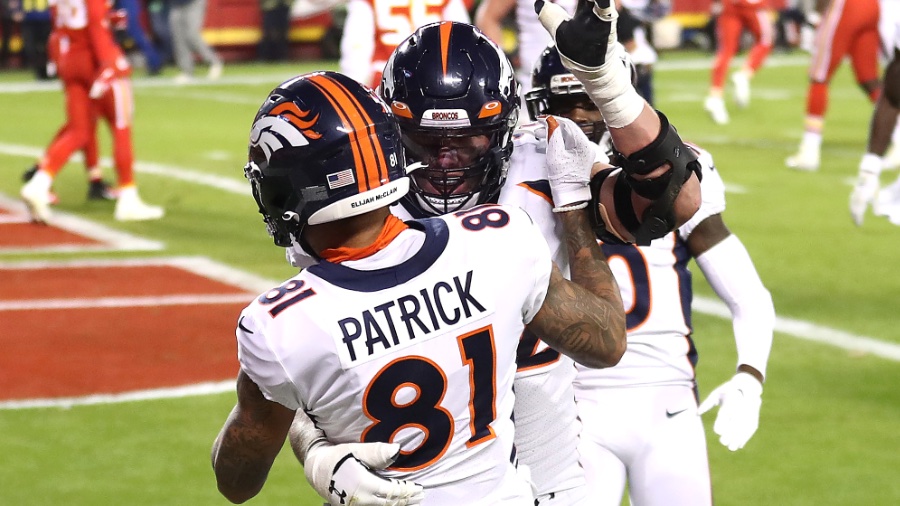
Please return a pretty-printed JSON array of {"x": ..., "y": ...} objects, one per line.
[{"x": 279, "y": 30}]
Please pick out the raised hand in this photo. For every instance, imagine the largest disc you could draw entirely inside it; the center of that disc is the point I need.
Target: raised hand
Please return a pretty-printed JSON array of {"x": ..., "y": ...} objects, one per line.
[
  {"x": 570, "y": 156},
  {"x": 588, "y": 38}
]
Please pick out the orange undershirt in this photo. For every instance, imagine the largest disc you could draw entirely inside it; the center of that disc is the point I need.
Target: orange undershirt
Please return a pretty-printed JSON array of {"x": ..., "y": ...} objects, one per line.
[{"x": 392, "y": 228}]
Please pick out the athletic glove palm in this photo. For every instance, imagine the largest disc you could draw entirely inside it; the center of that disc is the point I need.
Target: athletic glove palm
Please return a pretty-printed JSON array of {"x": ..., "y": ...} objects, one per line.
[
  {"x": 739, "y": 401},
  {"x": 570, "y": 156}
]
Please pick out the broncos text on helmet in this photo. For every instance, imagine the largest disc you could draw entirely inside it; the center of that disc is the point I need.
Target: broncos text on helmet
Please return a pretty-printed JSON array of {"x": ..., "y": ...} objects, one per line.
[
  {"x": 456, "y": 98},
  {"x": 556, "y": 91},
  {"x": 322, "y": 148}
]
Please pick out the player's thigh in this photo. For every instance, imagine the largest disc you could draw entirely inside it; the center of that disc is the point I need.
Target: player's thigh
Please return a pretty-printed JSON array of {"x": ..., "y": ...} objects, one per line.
[
  {"x": 759, "y": 23},
  {"x": 78, "y": 108},
  {"x": 613, "y": 425},
  {"x": 864, "y": 56},
  {"x": 828, "y": 52},
  {"x": 728, "y": 32},
  {"x": 673, "y": 468}
]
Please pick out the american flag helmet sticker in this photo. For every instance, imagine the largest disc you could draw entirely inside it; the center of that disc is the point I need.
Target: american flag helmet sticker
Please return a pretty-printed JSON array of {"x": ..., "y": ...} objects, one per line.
[{"x": 339, "y": 179}]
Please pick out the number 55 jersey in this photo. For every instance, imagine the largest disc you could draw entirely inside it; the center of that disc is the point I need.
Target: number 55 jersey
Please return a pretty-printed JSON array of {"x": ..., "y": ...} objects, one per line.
[{"x": 414, "y": 344}]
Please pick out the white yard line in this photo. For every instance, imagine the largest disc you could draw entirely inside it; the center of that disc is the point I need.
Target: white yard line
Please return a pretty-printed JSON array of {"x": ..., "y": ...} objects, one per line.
[
  {"x": 138, "y": 395},
  {"x": 201, "y": 266},
  {"x": 810, "y": 331},
  {"x": 110, "y": 239},
  {"x": 137, "y": 301}
]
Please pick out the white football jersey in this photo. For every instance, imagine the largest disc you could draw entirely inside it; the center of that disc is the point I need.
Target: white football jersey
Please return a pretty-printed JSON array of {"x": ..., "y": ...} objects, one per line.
[
  {"x": 415, "y": 345},
  {"x": 533, "y": 38},
  {"x": 656, "y": 289},
  {"x": 547, "y": 424}
]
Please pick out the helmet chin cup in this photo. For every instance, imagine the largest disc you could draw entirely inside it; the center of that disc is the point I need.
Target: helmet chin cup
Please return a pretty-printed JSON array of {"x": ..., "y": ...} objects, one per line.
[{"x": 439, "y": 207}]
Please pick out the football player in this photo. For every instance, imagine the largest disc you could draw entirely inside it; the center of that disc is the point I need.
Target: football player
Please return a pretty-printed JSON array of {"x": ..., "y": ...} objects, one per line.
[
  {"x": 404, "y": 332},
  {"x": 884, "y": 120},
  {"x": 94, "y": 73},
  {"x": 845, "y": 30},
  {"x": 639, "y": 419},
  {"x": 735, "y": 16},
  {"x": 373, "y": 29}
]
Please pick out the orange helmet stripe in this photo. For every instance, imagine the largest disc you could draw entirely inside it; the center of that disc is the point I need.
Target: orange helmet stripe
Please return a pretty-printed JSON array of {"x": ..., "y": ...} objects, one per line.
[
  {"x": 446, "y": 27},
  {"x": 367, "y": 153}
]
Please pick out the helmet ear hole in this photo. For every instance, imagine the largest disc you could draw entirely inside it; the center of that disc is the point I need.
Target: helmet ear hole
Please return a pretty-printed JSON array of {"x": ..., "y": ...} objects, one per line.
[{"x": 290, "y": 216}]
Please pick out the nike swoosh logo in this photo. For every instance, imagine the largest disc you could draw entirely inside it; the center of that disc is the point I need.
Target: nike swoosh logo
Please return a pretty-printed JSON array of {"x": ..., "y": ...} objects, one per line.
[
  {"x": 242, "y": 327},
  {"x": 671, "y": 414}
]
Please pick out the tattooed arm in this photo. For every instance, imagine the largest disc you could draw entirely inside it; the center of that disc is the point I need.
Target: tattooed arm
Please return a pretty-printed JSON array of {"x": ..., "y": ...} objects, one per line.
[
  {"x": 583, "y": 318},
  {"x": 247, "y": 445}
]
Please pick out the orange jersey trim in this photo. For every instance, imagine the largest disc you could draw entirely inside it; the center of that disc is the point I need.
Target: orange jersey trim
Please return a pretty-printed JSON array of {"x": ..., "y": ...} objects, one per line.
[{"x": 392, "y": 228}]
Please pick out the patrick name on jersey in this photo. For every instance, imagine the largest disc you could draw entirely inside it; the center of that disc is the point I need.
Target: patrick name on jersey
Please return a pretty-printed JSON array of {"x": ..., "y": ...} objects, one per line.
[{"x": 414, "y": 316}]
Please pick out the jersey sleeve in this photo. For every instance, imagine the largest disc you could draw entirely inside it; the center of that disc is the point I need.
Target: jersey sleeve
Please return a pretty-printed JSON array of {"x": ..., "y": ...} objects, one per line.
[
  {"x": 712, "y": 190},
  {"x": 532, "y": 246},
  {"x": 261, "y": 363}
]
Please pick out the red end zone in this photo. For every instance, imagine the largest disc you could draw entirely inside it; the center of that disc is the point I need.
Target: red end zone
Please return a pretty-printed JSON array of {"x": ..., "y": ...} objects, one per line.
[{"x": 93, "y": 327}]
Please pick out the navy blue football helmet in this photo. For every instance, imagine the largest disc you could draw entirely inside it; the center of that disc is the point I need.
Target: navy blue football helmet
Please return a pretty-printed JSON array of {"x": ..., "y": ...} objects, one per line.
[
  {"x": 455, "y": 95},
  {"x": 556, "y": 91},
  {"x": 322, "y": 148}
]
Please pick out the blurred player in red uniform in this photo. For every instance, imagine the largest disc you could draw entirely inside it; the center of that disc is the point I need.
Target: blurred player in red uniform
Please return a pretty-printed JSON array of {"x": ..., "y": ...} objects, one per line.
[
  {"x": 846, "y": 29},
  {"x": 735, "y": 17},
  {"x": 94, "y": 73},
  {"x": 375, "y": 27}
]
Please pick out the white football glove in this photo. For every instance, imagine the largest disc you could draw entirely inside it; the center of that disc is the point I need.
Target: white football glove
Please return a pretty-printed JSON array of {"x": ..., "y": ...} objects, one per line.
[
  {"x": 343, "y": 474},
  {"x": 739, "y": 400},
  {"x": 570, "y": 156},
  {"x": 588, "y": 47}
]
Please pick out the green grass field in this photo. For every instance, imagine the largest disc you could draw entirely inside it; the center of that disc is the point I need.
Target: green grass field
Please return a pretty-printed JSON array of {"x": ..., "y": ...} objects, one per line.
[{"x": 830, "y": 426}]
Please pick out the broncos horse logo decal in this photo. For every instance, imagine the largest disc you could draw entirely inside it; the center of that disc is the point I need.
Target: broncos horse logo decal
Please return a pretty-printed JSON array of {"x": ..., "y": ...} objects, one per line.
[{"x": 286, "y": 125}]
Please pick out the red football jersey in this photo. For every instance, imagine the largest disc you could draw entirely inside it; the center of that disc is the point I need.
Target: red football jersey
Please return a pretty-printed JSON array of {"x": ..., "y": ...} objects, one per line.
[{"x": 83, "y": 26}]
